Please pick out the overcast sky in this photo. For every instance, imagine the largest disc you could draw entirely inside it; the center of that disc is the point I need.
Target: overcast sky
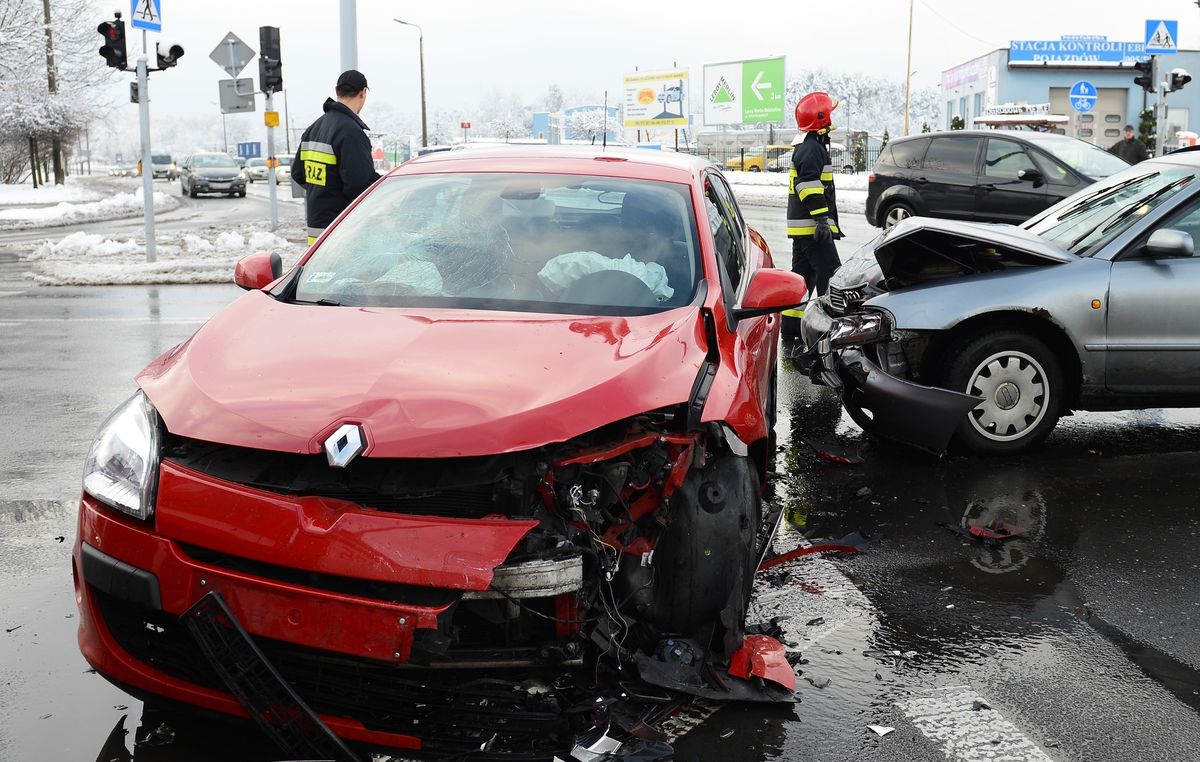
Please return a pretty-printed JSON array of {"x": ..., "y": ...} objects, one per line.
[{"x": 475, "y": 48}]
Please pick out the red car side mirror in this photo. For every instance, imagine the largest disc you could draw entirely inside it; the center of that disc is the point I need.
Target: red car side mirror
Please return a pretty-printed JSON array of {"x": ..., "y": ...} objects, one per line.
[
  {"x": 258, "y": 270},
  {"x": 771, "y": 290}
]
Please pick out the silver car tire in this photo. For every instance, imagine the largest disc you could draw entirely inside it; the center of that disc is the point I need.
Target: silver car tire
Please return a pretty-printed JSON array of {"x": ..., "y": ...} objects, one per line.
[
  {"x": 1021, "y": 382},
  {"x": 896, "y": 213}
]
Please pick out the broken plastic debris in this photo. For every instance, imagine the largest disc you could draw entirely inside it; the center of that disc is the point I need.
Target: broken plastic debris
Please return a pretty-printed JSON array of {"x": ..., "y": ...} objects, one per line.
[
  {"x": 814, "y": 622},
  {"x": 994, "y": 532},
  {"x": 880, "y": 730},
  {"x": 988, "y": 650},
  {"x": 979, "y": 706},
  {"x": 863, "y": 492},
  {"x": 821, "y": 685},
  {"x": 726, "y": 733},
  {"x": 856, "y": 542},
  {"x": 832, "y": 453}
]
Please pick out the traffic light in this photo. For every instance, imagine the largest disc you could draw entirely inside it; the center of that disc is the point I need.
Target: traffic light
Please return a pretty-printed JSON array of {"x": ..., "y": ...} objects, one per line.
[
  {"x": 173, "y": 54},
  {"x": 270, "y": 68},
  {"x": 1177, "y": 79},
  {"x": 1146, "y": 77},
  {"x": 113, "y": 50}
]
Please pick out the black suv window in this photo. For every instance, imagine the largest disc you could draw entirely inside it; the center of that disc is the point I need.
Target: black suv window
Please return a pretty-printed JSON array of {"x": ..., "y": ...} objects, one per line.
[
  {"x": 906, "y": 154},
  {"x": 1005, "y": 159},
  {"x": 952, "y": 154}
]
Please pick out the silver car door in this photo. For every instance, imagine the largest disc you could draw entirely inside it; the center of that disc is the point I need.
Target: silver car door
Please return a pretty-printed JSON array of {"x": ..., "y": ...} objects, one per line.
[{"x": 1154, "y": 316}]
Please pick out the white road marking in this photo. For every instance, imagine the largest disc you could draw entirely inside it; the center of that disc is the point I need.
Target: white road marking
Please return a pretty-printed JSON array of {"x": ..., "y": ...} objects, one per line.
[{"x": 968, "y": 728}]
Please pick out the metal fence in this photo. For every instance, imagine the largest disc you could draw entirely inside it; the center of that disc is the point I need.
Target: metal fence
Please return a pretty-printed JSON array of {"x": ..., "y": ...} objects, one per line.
[{"x": 780, "y": 159}]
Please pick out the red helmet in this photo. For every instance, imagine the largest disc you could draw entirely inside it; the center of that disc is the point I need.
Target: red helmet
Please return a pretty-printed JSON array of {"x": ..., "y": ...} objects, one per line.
[{"x": 814, "y": 112}]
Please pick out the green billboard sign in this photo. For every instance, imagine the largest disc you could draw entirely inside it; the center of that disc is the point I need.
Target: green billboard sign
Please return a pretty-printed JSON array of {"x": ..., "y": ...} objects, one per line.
[{"x": 744, "y": 92}]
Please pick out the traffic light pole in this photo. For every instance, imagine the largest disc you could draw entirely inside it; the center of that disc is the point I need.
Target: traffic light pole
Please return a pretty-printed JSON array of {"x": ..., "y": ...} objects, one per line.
[
  {"x": 272, "y": 180},
  {"x": 147, "y": 164}
]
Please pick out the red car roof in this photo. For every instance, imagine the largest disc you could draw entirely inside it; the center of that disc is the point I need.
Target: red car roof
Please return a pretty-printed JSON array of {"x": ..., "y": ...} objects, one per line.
[{"x": 642, "y": 164}]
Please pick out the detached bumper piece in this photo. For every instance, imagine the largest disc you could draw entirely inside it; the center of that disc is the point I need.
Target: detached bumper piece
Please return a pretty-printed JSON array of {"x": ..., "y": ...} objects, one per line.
[
  {"x": 885, "y": 406},
  {"x": 266, "y": 696}
]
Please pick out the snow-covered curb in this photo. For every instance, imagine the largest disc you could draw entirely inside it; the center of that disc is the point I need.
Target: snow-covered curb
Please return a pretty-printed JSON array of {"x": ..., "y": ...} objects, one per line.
[
  {"x": 849, "y": 201},
  {"x": 111, "y": 208},
  {"x": 89, "y": 259},
  {"x": 24, "y": 195},
  {"x": 770, "y": 189}
]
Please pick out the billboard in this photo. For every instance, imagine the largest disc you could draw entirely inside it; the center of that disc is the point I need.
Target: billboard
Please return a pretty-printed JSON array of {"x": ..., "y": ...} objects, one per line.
[
  {"x": 744, "y": 92},
  {"x": 656, "y": 99}
]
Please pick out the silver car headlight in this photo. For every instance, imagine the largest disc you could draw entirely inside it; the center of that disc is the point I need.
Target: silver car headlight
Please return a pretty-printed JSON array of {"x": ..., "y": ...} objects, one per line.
[
  {"x": 122, "y": 466},
  {"x": 860, "y": 328}
]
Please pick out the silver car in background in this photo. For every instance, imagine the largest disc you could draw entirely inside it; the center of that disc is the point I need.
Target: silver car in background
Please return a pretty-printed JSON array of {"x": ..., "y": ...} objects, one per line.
[{"x": 981, "y": 335}]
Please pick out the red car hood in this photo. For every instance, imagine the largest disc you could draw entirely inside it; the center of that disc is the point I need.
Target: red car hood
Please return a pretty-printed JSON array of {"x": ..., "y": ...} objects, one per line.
[{"x": 442, "y": 383}]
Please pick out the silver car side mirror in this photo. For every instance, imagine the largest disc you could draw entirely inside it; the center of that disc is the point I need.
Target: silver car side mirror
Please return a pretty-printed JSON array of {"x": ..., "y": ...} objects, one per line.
[{"x": 1170, "y": 243}]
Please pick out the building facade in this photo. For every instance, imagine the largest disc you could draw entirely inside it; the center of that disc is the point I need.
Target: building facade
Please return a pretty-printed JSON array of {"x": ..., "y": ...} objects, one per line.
[{"x": 1044, "y": 71}]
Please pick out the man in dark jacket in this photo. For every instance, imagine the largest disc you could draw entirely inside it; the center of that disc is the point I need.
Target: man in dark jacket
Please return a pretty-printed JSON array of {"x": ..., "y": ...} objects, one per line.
[
  {"x": 334, "y": 161},
  {"x": 1129, "y": 147},
  {"x": 812, "y": 217}
]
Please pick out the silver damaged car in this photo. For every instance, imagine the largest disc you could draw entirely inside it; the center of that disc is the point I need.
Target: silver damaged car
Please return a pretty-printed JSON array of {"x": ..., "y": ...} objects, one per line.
[{"x": 942, "y": 333}]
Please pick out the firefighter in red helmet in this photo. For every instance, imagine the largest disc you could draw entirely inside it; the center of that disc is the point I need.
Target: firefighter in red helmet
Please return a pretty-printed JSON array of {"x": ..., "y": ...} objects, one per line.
[{"x": 812, "y": 218}]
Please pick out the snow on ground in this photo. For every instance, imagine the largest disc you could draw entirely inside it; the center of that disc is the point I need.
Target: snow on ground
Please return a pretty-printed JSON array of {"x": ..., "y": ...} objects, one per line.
[
  {"x": 770, "y": 189},
  {"x": 90, "y": 259},
  {"x": 25, "y": 194},
  {"x": 113, "y": 207}
]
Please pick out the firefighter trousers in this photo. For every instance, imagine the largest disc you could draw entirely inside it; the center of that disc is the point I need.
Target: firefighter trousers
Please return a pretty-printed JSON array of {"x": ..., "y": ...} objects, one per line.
[{"x": 815, "y": 263}]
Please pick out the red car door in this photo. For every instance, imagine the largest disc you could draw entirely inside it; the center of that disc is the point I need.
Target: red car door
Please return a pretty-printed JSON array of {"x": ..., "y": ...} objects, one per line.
[{"x": 741, "y": 251}]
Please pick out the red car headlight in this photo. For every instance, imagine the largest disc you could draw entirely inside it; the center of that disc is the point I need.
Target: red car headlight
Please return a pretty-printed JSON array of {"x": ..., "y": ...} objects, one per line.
[{"x": 122, "y": 467}]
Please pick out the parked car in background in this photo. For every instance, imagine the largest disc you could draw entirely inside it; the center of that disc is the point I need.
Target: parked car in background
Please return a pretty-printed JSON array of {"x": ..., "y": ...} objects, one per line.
[
  {"x": 986, "y": 334},
  {"x": 211, "y": 173},
  {"x": 982, "y": 175},
  {"x": 512, "y": 409},
  {"x": 778, "y": 159},
  {"x": 256, "y": 170},
  {"x": 163, "y": 166},
  {"x": 283, "y": 173}
]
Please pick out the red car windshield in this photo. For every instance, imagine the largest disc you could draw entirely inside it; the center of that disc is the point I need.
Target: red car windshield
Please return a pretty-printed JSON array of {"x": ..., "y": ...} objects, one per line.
[{"x": 511, "y": 241}]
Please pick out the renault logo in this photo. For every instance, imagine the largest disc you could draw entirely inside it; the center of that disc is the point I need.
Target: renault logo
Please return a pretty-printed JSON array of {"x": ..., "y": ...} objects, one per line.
[{"x": 344, "y": 445}]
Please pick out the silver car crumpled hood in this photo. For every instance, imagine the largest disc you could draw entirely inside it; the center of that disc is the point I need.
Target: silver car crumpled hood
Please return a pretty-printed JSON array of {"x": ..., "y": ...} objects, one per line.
[{"x": 922, "y": 249}]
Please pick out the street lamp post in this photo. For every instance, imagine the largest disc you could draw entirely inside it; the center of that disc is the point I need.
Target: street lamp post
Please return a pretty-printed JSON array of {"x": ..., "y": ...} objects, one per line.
[
  {"x": 421, "y": 58},
  {"x": 908, "y": 68}
]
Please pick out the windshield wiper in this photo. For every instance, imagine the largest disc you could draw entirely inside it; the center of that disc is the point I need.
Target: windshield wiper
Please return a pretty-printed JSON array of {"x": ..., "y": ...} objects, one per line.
[
  {"x": 1128, "y": 211},
  {"x": 1091, "y": 201}
]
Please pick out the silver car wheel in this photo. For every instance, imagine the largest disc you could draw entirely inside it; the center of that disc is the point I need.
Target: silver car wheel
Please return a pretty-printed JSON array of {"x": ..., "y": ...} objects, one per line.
[
  {"x": 894, "y": 215},
  {"x": 1015, "y": 394}
]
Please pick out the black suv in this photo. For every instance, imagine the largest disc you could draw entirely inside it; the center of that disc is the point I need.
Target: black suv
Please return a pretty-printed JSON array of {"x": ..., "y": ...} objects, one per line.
[{"x": 983, "y": 175}]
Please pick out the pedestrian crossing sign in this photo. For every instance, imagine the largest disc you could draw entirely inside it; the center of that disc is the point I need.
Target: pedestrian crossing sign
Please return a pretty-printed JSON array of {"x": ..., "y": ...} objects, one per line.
[
  {"x": 1162, "y": 36},
  {"x": 146, "y": 14}
]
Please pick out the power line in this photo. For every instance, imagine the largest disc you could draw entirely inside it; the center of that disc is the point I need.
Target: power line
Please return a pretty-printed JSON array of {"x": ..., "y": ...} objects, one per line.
[{"x": 932, "y": 10}]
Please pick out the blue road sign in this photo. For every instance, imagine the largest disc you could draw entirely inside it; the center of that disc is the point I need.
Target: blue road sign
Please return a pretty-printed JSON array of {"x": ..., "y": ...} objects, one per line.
[
  {"x": 146, "y": 14},
  {"x": 1082, "y": 96},
  {"x": 249, "y": 150},
  {"x": 1162, "y": 36}
]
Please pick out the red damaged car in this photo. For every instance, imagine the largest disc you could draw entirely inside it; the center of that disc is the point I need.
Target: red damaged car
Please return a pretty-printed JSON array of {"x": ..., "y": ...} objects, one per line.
[{"x": 512, "y": 410}]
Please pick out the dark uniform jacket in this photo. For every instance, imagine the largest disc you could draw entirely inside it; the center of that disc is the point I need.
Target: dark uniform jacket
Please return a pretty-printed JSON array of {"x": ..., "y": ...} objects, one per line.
[
  {"x": 333, "y": 164},
  {"x": 1131, "y": 151},
  {"x": 811, "y": 195}
]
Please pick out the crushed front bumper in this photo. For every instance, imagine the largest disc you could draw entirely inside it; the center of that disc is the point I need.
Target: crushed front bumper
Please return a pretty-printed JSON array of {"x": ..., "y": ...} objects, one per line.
[
  {"x": 346, "y": 651},
  {"x": 891, "y": 408}
]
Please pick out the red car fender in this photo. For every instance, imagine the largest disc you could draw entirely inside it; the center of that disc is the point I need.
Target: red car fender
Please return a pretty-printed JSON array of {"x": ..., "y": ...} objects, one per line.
[{"x": 763, "y": 656}]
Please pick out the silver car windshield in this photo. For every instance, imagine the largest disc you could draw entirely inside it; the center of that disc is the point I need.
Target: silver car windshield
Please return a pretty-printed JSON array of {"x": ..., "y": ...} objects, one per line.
[
  {"x": 511, "y": 241},
  {"x": 1086, "y": 221}
]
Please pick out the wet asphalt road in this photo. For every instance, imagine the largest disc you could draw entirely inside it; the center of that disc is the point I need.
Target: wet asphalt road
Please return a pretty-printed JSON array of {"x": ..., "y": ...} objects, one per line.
[{"x": 1081, "y": 641}]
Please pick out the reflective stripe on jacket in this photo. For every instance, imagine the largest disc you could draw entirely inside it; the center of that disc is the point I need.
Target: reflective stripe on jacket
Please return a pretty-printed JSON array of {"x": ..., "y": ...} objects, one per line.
[
  {"x": 333, "y": 163},
  {"x": 811, "y": 195}
]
